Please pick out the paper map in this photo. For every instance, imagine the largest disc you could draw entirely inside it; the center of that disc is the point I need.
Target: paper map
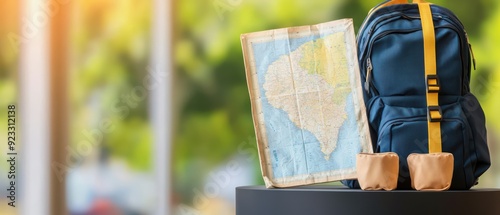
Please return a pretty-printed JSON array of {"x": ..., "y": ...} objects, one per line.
[{"x": 307, "y": 102}]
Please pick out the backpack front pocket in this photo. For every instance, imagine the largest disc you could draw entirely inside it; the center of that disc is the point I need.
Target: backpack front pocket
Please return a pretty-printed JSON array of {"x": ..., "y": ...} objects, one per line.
[{"x": 404, "y": 130}]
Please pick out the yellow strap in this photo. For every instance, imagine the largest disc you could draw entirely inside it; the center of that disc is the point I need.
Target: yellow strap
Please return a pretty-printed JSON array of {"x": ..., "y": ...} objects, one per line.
[{"x": 433, "y": 127}]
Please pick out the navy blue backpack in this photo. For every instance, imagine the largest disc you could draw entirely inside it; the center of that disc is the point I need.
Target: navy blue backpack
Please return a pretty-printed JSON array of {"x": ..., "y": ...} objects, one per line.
[{"x": 395, "y": 82}]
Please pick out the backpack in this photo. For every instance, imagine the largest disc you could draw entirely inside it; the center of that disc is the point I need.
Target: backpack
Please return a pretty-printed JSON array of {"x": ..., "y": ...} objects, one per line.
[{"x": 395, "y": 81}]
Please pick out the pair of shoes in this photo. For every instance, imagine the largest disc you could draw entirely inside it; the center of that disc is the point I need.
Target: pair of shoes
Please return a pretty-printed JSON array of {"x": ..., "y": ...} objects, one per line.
[{"x": 379, "y": 171}]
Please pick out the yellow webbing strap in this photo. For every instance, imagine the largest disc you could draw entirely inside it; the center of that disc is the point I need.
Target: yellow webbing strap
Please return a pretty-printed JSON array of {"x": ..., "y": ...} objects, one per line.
[{"x": 431, "y": 79}]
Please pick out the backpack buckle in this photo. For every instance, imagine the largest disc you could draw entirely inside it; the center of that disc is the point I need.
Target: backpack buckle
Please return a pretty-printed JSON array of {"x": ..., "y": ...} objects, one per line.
[
  {"x": 434, "y": 113},
  {"x": 432, "y": 83}
]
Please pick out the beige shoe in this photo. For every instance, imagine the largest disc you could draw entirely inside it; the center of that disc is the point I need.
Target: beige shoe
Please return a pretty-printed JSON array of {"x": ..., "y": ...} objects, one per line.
[
  {"x": 377, "y": 171},
  {"x": 431, "y": 172}
]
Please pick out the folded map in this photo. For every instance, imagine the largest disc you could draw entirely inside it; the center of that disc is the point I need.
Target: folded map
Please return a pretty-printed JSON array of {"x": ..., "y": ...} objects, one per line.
[{"x": 307, "y": 105}]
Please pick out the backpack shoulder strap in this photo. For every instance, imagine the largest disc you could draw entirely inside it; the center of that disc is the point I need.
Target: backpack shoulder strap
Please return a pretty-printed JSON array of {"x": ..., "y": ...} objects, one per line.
[{"x": 434, "y": 114}]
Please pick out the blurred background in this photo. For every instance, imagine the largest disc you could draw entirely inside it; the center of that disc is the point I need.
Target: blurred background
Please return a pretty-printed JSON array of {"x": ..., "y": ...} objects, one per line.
[{"x": 145, "y": 105}]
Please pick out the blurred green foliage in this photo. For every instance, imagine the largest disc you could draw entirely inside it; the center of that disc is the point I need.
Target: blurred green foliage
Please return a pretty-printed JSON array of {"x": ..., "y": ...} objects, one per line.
[
  {"x": 110, "y": 49},
  {"x": 487, "y": 79}
]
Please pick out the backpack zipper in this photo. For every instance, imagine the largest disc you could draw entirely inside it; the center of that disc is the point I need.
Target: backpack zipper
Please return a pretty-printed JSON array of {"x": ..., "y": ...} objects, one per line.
[
  {"x": 470, "y": 50},
  {"x": 384, "y": 127},
  {"x": 369, "y": 66},
  {"x": 375, "y": 24},
  {"x": 473, "y": 58},
  {"x": 379, "y": 22}
]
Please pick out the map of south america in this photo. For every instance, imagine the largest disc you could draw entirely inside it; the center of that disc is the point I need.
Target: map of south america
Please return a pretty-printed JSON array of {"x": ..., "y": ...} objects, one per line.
[
  {"x": 311, "y": 84},
  {"x": 307, "y": 104}
]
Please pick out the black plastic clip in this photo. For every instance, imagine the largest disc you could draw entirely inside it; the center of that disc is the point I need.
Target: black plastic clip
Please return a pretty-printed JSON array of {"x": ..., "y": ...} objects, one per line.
[
  {"x": 432, "y": 83},
  {"x": 434, "y": 109}
]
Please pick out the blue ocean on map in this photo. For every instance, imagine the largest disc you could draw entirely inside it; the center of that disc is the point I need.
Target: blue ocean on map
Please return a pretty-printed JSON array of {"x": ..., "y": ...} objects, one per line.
[{"x": 294, "y": 151}]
